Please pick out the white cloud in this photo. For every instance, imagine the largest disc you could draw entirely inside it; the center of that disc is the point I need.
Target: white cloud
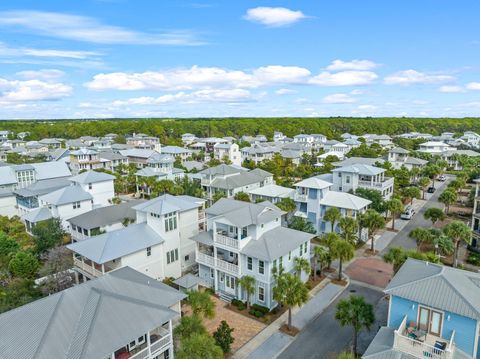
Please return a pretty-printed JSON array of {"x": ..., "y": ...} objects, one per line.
[
  {"x": 344, "y": 78},
  {"x": 87, "y": 29},
  {"x": 285, "y": 91},
  {"x": 410, "y": 77},
  {"x": 281, "y": 74},
  {"x": 367, "y": 107},
  {"x": 274, "y": 16},
  {"x": 45, "y": 74},
  {"x": 359, "y": 65},
  {"x": 419, "y": 102},
  {"x": 31, "y": 90},
  {"x": 475, "y": 86},
  {"x": 8, "y": 51},
  {"x": 451, "y": 89},
  {"x": 338, "y": 98}
]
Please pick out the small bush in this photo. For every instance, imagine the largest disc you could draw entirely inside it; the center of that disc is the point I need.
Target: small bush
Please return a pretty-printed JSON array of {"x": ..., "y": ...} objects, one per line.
[
  {"x": 241, "y": 306},
  {"x": 256, "y": 313},
  {"x": 260, "y": 308},
  {"x": 210, "y": 291},
  {"x": 473, "y": 258}
]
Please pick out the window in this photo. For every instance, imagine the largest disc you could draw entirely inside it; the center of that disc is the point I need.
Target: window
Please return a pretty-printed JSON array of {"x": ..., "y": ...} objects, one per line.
[
  {"x": 76, "y": 205},
  {"x": 212, "y": 273},
  {"x": 170, "y": 221},
  {"x": 90, "y": 186},
  {"x": 306, "y": 247},
  {"x": 149, "y": 251},
  {"x": 290, "y": 255},
  {"x": 187, "y": 258},
  {"x": 261, "y": 267},
  {"x": 261, "y": 226},
  {"x": 301, "y": 248},
  {"x": 280, "y": 260},
  {"x": 249, "y": 263},
  {"x": 347, "y": 180},
  {"x": 261, "y": 294},
  {"x": 172, "y": 256}
]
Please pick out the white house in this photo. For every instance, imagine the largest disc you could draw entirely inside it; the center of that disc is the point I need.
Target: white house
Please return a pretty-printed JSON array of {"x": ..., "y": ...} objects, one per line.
[
  {"x": 158, "y": 244},
  {"x": 98, "y": 184},
  {"x": 229, "y": 151},
  {"x": 177, "y": 152},
  {"x": 452, "y": 157},
  {"x": 143, "y": 141},
  {"x": 259, "y": 152},
  {"x": 124, "y": 314},
  {"x": 314, "y": 196},
  {"x": 399, "y": 157},
  {"x": 112, "y": 160},
  {"x": 471, "y": 138},
  {"x": 247, "y": 239},
  {"x": 271, "y": 192},
  {"x": 434, "y": 147},
  {"x": 188, "y": 138},
  {"x": 84, "y": 159}
]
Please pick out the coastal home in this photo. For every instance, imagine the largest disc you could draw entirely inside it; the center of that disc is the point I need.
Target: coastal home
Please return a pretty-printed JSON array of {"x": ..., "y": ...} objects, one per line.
[
  {"x": 349, "y": 178},
  {"x": 230, "y": 180},
  {"x": 314, "y": 196},
  {"x": 124, "y": 314},
  {"x": 84, "y": 159},
  {"x": 102, "y": 220},
  {"x": 278, "y": 136},
  {"x": 253, "y": 139},
  {"x": 433, "y": 312},
  {"x": 271, "y": 192},
  {"x": 399, "y": 157},
  {"x": 359, "y": 160},
  {"x": 188, "y": 138},
  {"x": 259, "y": 152},
  {"x": 159, "y": 167},
  {"x": 158, "y": 243},
  {"x": 453, "y": 157},
  {"x": 98, "y": 184},
  {"x": 471, "y": 138},
  {"x": 292, "y": 155},
  {"x": 416, "y": 136},
  {"x": 139, "y": 157},
  {"x": 247, "y": 239},
  {"x": 434, "y": 147},
  {"x": 4, "y": 135},
  {"x": 112, "y": 160},
  {"x": 143, "y": 141},
  {"x": 229, "y": 151},
  {"x": 52, "y": 143},
  {"x": 177, "y": 152}
]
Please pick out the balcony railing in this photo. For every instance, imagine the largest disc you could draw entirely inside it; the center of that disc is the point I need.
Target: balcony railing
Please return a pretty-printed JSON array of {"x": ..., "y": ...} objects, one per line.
[
  {"x": 300, "y": 197},
  {"x": 87, "y": 267},
  {"x": 203, "y": 258},
  {"x": 385, "y": 183},
  {"x": 421, "y": 349},
  {"x": 227, "y": 241},
  {"x": 228, "y": 267},
  {"x": 222, "y": 265}
]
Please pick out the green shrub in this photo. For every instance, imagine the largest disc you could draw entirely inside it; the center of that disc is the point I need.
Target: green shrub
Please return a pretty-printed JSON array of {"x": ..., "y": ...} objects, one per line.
[
  {"x": 241, "y": 306},
  {"x": 473, "y": 258},
  {"x": 256, "y": 313},
  {"x": 260, "y": 308},
  {"x": 210, "y": 291}
]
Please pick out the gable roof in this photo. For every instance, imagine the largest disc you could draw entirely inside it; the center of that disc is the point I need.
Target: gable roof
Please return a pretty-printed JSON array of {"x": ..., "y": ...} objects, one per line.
[
  {"x": 90, "y": 320},
  {"x": 438, "y": 286},
  {"x": 167, "y": 203},
  {"x": 92, "y": 177},
  {"x": 360, "y": 169},
  {"x": 38, "y": 215},
  {"x": 222, "y": 169},
  {"x": 243, "y": 214},
  {"x": 358, "y": 160},
  {"x": 344, "y": 200},
  {"x": 43, "y": 187},
  {"x": 273, "y": 190},
  {"x": 116, "y": 244},
  {"x": 313, "y": 182},
  {"x": 399, "y": 150},
  {"x": 66, "y": 195}
]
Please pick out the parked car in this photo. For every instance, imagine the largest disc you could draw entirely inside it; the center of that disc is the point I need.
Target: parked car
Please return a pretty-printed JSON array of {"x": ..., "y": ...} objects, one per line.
[
  {"x": 442, "y": 178},
  {"x": 431, "y": 189},
  {"x": 408, "y": 213}
]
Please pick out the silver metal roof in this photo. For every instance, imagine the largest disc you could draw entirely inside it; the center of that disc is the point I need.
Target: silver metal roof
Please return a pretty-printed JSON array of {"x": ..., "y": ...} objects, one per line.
[
  {"x": 92, "y": 177},
  {"x": 66, "y": 195}
]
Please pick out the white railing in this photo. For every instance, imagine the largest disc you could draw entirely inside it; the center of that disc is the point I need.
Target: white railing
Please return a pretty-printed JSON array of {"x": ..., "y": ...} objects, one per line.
[
  {"x": 420, "y": 349},
  {"x": 203, "y": 258},
  {"x": 385, "y": 183},
  {"x": 227, "y": 267},
  {"x": 142, "y": 354},
  {"x": 87, "y": 268},
  {"x": 300, "y": 197},
  {"x": 160, "y": 344},
  {"x": 227, "y": 241}
]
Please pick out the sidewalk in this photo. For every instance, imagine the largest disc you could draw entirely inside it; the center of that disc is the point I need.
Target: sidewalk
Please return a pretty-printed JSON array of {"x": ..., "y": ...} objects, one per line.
[{"x": 270, "y": 342}]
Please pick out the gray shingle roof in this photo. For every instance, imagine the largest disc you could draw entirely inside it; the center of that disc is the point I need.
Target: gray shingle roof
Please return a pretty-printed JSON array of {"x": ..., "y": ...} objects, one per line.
[
  {"x": 92, "y": 177},
  {"x": 104, "y": 216},
  {"x": 399, "y": 150},
  {"x": 66, "y": 195},
  {"x": 243, "y": 214},
  {"x": 90, "y": 320},
  {"x": 438, "y": 286},
  {"x": 116, "y": 244},
  {"x": 275, "y": 243}
]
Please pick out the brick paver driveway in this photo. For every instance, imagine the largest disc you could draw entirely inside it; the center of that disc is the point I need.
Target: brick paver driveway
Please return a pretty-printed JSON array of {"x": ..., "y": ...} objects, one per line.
[{"x": 372, "y": 271}]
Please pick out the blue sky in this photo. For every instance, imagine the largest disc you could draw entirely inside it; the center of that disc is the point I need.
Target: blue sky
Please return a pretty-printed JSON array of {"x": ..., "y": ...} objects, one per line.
[{"x": 125, "y": 58}]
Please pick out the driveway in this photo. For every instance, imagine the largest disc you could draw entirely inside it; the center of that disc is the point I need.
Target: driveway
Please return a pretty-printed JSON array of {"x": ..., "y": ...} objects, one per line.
[
  {"x": 373, "y": 271},
  {"x": 401, "y": 239},
  {"x": 323, "y": 337}
]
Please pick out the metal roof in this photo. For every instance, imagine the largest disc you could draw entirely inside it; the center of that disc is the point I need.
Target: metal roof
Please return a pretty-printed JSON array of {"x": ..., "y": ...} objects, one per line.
[
  {"x": 313, "y": 182},
  {"x": 344, "y": 200},
  {"x": 38, "y": 215},
  {"x": 92, "y": 177},
  {"x": 66, "y": 195},
  {"x": 360, "y": 169},
  {"x": 358, "y": 160},
  {"x": 90, "y": 320},
  {"x": 187, "y": 281},
  {"x": 167, "y": 203},
  {"x": 273, "y": 190},
  {"x": 438, "y": 286}
]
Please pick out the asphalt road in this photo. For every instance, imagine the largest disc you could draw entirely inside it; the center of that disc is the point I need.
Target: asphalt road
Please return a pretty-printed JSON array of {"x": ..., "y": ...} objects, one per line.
[
  {"x": 402, "y": 239},
  {"x": 324, "y": 336}
]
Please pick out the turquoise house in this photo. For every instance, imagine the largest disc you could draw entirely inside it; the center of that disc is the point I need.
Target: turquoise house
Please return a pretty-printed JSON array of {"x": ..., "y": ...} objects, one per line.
[{"x": 434, "y": 312}]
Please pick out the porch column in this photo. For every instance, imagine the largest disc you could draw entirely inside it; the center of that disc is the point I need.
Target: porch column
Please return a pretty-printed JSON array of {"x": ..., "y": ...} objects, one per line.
[
  {"x": 148, "y": 344},
  {"x": 170, "y": 347},
  {"x": 103, "y": 268},
  {"x": 76, "y": 278},
  {"x": 215, "y": 274}
]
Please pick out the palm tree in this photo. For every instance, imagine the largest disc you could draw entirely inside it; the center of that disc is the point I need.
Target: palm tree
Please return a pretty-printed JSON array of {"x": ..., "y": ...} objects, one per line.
[
  {"x": 448, "y": 197},
  {"x": 396, "y": 257},
  {"x": 458, "y": 232},
  {"x": 443, "y": 245},
  {"x": 349, "y": 227},
  {"x": 395, "y": 206},
  {"x": 247, "y": 282},
  {"x": 421, "y": 235},
  {"x": 434, "y": 214},
  {"x": 332, "y": 215},
  {"x": 343, "y": 251},
  {"x": 290, "y": 291},
  {"x": 201, "y": 304},
  {"x": 423, "y": 182},
  {"x": 373, "y": 221},
  {"x": 411, "y": 193},
  {"x": 355, "y": 312},
  {"x": 330, "y": 239},
  {"x": 320, "y": 256},
  {"x": 301, "y": 265}
]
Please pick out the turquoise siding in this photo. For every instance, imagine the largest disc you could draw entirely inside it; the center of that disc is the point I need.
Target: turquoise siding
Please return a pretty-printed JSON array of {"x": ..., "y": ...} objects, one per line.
[{"x": 465, "y": 328}]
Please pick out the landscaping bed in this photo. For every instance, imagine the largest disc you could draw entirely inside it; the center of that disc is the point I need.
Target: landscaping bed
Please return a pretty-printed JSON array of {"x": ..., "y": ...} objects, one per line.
[
  {"x": 292, "y": 331},
  {"x": 256, "y": 312}
]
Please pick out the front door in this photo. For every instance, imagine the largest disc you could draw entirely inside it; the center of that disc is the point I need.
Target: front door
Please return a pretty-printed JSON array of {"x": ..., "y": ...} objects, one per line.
[{"x": 230, "y": 284}]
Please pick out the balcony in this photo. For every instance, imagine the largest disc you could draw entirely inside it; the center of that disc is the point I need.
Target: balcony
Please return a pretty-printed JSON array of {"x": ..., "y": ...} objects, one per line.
[
  {"x": 226, "y": 241},
  {"x": 91, "y": 268},
  {"x": 388, "y": 182},
  {"x": 210, "y": 261},
  {"x": 424, "y": 348},
  {"x": 299, "y": 197},
  {"x": 152, "y": 344}
]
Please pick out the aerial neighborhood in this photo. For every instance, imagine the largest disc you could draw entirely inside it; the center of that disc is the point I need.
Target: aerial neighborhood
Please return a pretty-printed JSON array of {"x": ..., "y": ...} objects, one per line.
[{"x": 251, "y": 230}]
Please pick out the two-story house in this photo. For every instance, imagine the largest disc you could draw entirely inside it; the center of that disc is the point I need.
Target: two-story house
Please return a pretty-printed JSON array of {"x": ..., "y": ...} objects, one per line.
[
  {"x": 230, "y": 180},
  {"x": 314, "y": 196},
  {"x": 247, "y": 239},
  {"x": 84, "y": 159},
  {"x": 158, "y": 244},
  {"x": 433, "y": 312},
  {"x": 259, "y": 152},
  {"x": 399, "y": 157},
  {"x": 143, "y": 141},
  {"x": 434, "y": 147},
  {"x": 471, "y": 138},
  {"x": 98, "y": 184},
  {"x": 124, "y": 314},
  {"x": 229, "y": 151},
  {"x": 188, "y": 138},
  {"x": 177, "y": 152},
  {"x": 349, "y": 178},
  {"x": 112, "y": 160}
]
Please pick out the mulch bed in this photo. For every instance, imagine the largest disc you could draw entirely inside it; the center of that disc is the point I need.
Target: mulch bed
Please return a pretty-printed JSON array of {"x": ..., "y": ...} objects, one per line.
[
  {"x": 292, "y": 331},
  {"x": 340, "y": 282},
  {"x": 368, "y": 253},
  {"x": 313, "y": 283},
  {"x": 267, "y": 319}
]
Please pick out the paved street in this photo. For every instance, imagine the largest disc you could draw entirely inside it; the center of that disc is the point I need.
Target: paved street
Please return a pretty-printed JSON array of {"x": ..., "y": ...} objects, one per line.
[
  {"x": 323, "y": 336},
  {"x": 401, "y": 239}
]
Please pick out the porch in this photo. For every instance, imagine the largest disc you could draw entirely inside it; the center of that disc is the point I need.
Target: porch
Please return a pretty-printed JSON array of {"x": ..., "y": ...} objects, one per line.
[{"x": 93, "y": 269}]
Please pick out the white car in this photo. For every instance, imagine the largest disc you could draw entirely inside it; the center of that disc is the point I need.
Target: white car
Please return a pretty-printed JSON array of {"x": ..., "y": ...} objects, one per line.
[
  {"x": 408, "y": 213},
  {"x": 442, "y": 178}
]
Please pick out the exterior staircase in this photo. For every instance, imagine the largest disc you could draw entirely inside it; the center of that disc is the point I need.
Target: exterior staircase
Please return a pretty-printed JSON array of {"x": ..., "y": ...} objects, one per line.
[{"x": 226, "y": 297}]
